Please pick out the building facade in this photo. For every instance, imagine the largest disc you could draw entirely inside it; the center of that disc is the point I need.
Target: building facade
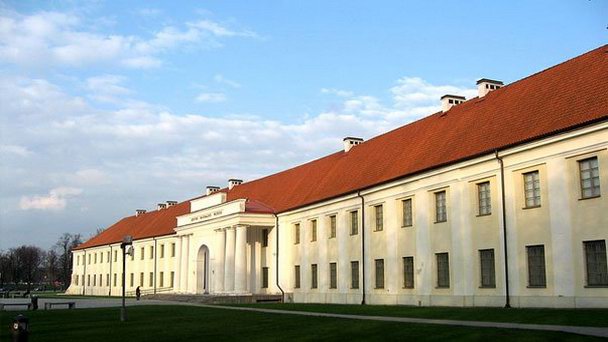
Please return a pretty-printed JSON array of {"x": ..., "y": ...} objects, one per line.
[{"x": 498, "y": 199}]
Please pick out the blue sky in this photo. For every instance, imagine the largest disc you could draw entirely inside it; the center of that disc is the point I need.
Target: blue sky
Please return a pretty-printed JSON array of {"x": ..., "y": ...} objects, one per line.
[{"x": 111, "y": 106}]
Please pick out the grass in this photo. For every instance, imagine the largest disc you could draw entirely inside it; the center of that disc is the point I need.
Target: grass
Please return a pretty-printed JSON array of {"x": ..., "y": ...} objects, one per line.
[
  {"x": 578, "y": 317},
  {"x": 188, "y": 323}
]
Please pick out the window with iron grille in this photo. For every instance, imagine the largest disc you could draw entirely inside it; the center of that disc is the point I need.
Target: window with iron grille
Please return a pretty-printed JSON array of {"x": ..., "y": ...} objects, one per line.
[
  {"x": 354, "y": 274},
  {"x": 297, "y": 277},
  {"x": 488, "y": 275},
  {"x": 590, "y": 177},
  {"x": 483, "y": 196},
  {"x": 443, "y": 270},
  {"x": 407, "y": 213},
  {"x": 532, "y": 189},
  {"x": 332, "y": 226},
  {"x": 314, "y": 280},
  {"x": 441, "y": 214},
  {"x": 595, "y": 257},
  {"x": 536, "y": 266},
  {"x": 408, "y": 272},
  {"x": 297, "y": 233},
  {"x": 354, "y": 222},
  {"x": 264, "y": 237},
  {"x": 333, "y": 275},
  {"x": 264, "y": 277},
  {"x": 313, "y": 224},
  {"x": 379, "y": 217},
  {"x": 379, "y": 273}
]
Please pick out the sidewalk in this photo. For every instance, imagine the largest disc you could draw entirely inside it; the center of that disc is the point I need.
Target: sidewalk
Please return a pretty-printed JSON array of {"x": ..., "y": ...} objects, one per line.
[{"x": 590, "y": 331}]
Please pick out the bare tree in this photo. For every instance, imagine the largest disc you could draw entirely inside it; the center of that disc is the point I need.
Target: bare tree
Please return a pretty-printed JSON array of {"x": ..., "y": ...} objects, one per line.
[
  {"x": 51, "y": 266},
  {"x": 29, "y": 261},
  {"x": 64, "y": 247}
]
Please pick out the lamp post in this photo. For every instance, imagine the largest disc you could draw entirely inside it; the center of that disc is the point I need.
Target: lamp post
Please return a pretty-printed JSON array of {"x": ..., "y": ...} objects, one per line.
[{"x": 127, "y": 249}]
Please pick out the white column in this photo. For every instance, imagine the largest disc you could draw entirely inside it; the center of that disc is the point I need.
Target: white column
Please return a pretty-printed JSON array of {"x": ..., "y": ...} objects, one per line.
[
  {"x": 240, "y": 260},
  {"x": 229, "y": 260},
  {"x": 185, "y": 262},
  {"x": 178, "y": 265},
  {"x": 219, "y": 260}
]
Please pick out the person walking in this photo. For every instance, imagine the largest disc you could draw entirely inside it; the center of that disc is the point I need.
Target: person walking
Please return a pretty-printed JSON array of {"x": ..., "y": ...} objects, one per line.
[{"x": 137, "y": 293}]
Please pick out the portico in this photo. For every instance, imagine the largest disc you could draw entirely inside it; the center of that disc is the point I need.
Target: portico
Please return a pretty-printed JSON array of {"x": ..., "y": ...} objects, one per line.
[{"x": 220, "y": 247}]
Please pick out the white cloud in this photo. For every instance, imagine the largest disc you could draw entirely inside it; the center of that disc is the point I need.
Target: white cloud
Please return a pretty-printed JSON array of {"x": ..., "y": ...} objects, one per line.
[
  {"x": 55, "y": 200},
  {"x": 63, "y": 39},
  {"x": 211, "y": 97},
  {"x": 219, "y": 78},
  {"x": 337, "y": 92},
  {"x": 17, "y": 150},
  {"x": 107, "y": 88}
]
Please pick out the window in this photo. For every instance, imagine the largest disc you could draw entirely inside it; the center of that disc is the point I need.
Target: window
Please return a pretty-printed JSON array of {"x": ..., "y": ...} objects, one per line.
[
  {"x": 101, "y": 257},
  {"x": 115, "y": 279},
  {"x": 77, "y": 260},
  {"x": 108, "y": 257},
  {"x": 595, "y": 257},
  {"x": 379, "y": 218},
  {"x": 590, "y": 177},
  {"x": 142, "y": 254},
  {"x": 483, "y": 196},
  {"x": 408, "y": 272},
  {"x": 161, "y": 279},
  {"x": 314, "y": 230},
  {"x": 133, "y": 254},
  {"x": 314, "y": 280},
  {"x": 89, "y": 259},
  {"x": 379, "y": 273},
  {"x": 297, "y": 233},
  {"x": 264, "y": 277},
  {"x": 151, "y": 279},
  {"x": 151, "y": 252},
  {"x": 443, "y": 270},
  {"x": 76, "y": 280},
  {"x": 536, "y": 266},
  {"x": 141, "y": 279},
  {"x": 132, "y": 279},
  {"x": 173, "y": 249},
  {"x": 297, "y": 277},
  {"x": 486, "y": 261},
  {"x": 354, "y": 274},
  {"x": 333, "y": 275},
  {"x": 441, "y": 214},
  {"x": 94, "y": 280},
  {"x": 108, "y": 279},
  {"x": 95, "y": 258},
  {"x": 115, "y": 256},
  {"x": 162, "y": 250},
  {"x": 532, "y": 189},
  {"x": 89, "y": 280},
  {"x": 172, "y": 279},
  {"x": 407, "y": 213},
  {"x": 332, "y": 226},
  {"x": 264, "y": 237},
  {"x": 354, "y": 222}
]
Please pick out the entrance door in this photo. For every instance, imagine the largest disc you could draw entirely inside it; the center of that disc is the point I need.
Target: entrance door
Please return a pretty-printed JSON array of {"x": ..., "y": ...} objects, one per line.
[{"x": 202, "y": 270}]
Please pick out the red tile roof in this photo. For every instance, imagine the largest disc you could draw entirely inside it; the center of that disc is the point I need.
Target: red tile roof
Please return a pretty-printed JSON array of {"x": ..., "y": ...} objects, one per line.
[
  {"x": 153, "y": 223},
  {"x": 563, "y": 97},
  {"x": 567, "y": 95}
]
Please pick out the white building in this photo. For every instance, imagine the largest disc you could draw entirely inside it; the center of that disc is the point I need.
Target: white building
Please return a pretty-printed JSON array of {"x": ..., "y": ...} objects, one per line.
[{"x": 508, "y": 188}]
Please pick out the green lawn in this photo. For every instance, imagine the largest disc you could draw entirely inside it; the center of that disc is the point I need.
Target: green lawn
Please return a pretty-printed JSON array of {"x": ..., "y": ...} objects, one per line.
[
  {"x": 187, "y": 323},
  {"x": 579, "y": 317}
]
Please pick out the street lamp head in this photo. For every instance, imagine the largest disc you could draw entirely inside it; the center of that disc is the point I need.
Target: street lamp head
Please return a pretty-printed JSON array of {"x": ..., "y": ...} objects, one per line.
[
  {"x": 129, "y": 251},
  {"x": 127, "y": 239}
]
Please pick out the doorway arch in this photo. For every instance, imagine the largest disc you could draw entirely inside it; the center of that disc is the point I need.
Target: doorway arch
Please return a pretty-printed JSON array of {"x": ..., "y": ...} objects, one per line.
[{"x": 202, "y": 270}]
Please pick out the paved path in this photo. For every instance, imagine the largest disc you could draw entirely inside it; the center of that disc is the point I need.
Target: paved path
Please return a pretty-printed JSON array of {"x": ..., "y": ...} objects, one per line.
[
  {"x": 82, "y": 303},
  {"x": 591, "y": 331}
]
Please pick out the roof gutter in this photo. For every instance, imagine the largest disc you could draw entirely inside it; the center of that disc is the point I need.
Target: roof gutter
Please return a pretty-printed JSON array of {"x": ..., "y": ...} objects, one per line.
[
  {"x": 362, "y": 247},
  {"x": 277, "y": 257},
  {"x": 504, "y": 227}
]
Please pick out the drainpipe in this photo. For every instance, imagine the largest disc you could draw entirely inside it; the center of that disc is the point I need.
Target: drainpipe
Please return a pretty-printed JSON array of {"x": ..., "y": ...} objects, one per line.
[
  {"x": 277, "y": 256},
  {"x": 504, "y": 228},
  {"x": 110, "y": 284},
  {"x": 155, "y": 255},
  {"x": 362, "y": 246}
]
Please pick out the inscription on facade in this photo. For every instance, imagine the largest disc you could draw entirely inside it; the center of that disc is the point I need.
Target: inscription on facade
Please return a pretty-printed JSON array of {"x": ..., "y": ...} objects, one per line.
[{"x": 206, "y": 216}]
